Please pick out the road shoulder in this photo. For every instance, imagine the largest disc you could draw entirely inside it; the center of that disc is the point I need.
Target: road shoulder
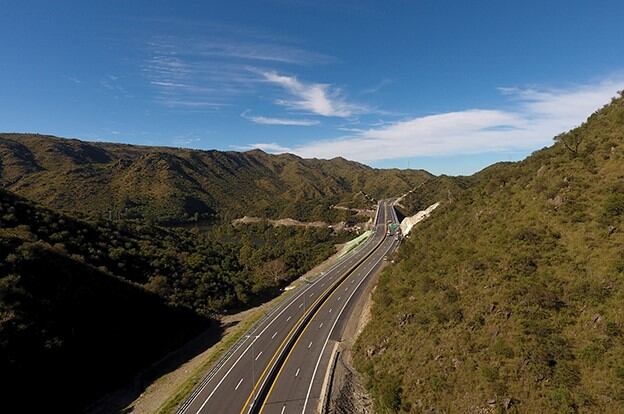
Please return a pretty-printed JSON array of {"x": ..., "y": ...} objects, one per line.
[{"x": 348, "y": 394}]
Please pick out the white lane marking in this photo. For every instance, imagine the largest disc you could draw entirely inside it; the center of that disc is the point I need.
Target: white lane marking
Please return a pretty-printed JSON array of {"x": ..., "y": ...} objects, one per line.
[
  {"x": 283, "y": 409},
  {"x": 322, "y": 284},
  {"x": 311, "y": 294},
  {"x": 265, "y": 379},
  {"x": 259, "y": 355},
  {"x": 238, "y": 385},
  {"x": 339, "y": 297},
  {"x": 334, "y": 267},
  {"x": 273, "y": 337},
  {"x": 347, "y": 288},
  {"x": 287, "y": 319},
  {"x": 321, "y": 325},
  {"x": 318, "y": 361},
  {"x": 297, "y": 373},
  {"x": 309, "y": 345},
  {"x": 330, "y": 309},
  {"x": 353, "y": 281},
  {"x": 300, "y": 306}
]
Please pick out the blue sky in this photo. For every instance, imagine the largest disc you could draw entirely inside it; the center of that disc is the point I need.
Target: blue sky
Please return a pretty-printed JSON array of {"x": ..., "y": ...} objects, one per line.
[{"x": 449, "y": 86}]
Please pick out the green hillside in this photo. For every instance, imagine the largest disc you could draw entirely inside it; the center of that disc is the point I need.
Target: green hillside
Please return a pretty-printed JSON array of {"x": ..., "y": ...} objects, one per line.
[
  {"x": 442, "y": 188},
  {"x": 510, "y": 298},
  {"x": 67, "y": 324},
  {"x": 85, "y": 304},
  {"x": 179, "y": 185}
]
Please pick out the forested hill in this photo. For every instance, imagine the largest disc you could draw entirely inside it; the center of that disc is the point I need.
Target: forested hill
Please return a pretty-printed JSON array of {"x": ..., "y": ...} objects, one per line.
[
  {"x": 84, "y": 304},
  {"x": 442, "y": 188},
  {"x": 177, "y": 185},
  {"x": 69, "y": 325},
  {"x": 510, "y": 297}
]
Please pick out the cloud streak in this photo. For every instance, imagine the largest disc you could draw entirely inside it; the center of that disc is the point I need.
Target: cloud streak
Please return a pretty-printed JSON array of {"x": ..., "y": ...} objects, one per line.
[
  {"x": 538, "y": 115},
  {"x": 263, "y": 120},
  {"x": 317, "y": 98},
  {"x": 271, "y": 147},
  {"x": 216, "y": 68}
]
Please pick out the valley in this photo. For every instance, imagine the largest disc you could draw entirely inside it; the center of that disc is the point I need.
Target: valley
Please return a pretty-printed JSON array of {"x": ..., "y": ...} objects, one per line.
[{"x": 312, "y": 207}]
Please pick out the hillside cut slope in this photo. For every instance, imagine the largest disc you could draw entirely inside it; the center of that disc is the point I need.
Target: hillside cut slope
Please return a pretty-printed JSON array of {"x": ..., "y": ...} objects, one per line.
[
  {"x": 177, "y": 185},
  {"x": 510, "y": 297}
]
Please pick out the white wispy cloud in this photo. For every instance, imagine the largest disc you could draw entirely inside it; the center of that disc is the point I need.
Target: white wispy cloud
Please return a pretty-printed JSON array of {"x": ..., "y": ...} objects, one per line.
[
  {"x": 271, "y": 147},
  {"x": 316, "y": 98},
  {"x": 217, "y": 67},
  {"x": 173, "y": 102},
  {"x": 73, "y": 79},
  {"x": 112, "y": 84},
  {"x": 537, "y": 116},
  {"x": 376, "y": 88},
  {"x": 258, "y": 51},
  {"x": 263, "y": 120},
  {"x": 188, "y": 139}
]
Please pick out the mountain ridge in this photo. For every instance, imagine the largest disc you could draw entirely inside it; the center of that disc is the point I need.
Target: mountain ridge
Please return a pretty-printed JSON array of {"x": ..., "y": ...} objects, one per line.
[{"x": 168, "y": 184}]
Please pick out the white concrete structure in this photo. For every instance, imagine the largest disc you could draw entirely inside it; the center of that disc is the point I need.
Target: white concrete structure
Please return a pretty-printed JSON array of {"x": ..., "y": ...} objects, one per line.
[{"x": 409, "y": 222}]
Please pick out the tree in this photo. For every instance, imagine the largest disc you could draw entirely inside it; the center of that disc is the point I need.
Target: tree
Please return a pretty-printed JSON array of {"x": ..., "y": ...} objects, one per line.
[{"x": 571, "y": 140}]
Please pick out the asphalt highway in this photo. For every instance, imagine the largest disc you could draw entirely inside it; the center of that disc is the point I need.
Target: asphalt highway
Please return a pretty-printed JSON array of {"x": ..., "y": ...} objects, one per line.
[{"x": 280, "y": 365}]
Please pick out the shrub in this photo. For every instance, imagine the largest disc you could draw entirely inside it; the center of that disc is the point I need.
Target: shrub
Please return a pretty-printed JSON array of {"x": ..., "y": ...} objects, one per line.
[
  {"x": 614, "y": 205},
  {"x": 489, "y": 373},
  {"x": 389, "y": 389},
  {"x": 501, "y": 348}
]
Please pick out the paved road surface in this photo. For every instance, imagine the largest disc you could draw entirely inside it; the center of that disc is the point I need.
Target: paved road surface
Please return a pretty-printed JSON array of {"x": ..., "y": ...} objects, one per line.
[{"x": 280, "y": 365}]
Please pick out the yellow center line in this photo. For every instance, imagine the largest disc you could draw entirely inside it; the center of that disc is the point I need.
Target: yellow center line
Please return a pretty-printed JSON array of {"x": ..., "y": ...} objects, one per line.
[
  {"x": 299, "y": 321},
  {"x": 301, "y": 336}
]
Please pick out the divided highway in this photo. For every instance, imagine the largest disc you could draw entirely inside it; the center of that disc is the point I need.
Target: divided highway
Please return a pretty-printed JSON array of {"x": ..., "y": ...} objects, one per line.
[{"x": 281, "y": 364}]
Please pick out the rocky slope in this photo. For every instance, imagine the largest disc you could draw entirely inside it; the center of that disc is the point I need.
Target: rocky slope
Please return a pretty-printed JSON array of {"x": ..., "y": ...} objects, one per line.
[{"x": 510, "y": 297}]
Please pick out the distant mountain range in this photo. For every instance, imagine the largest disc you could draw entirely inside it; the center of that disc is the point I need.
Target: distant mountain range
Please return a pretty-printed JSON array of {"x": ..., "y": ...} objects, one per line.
[{"x": 174, "y": 185}]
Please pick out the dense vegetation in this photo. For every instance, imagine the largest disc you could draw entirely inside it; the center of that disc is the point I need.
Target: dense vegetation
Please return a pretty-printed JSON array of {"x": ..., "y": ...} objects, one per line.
[
  {"x": 180, "y": 185},
  {"x": 510, "y": 298},
  {"x": 84, "y": 304},
  {"x": 442, "y": 188},
  {"x": 68, "y": 329}
]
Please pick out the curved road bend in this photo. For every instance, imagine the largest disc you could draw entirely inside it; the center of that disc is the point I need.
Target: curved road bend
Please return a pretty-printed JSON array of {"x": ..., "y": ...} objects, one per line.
[{"x": 229, "y": 388}]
